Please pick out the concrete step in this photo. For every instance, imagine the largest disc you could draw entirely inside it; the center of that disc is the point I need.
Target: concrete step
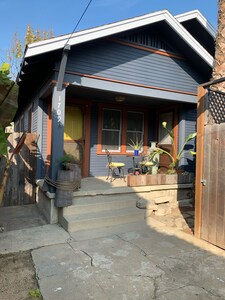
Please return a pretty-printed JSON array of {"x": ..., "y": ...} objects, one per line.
[
  {"x": 100, "y": 203},
  {"x": 107, "y": 231},
  {"x": 101, "y": 219}
]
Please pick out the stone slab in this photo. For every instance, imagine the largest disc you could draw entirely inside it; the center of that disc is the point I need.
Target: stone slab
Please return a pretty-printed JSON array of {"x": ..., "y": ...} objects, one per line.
[{"x": 31, "y": 238}]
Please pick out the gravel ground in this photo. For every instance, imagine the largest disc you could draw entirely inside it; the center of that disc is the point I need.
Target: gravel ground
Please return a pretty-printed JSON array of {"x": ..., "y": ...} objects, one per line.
[{"x": 17, "y": 276}]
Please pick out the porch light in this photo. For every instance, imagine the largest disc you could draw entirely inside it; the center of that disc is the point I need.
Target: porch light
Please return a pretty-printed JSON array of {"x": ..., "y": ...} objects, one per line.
[{"x": 120, "y": 98}]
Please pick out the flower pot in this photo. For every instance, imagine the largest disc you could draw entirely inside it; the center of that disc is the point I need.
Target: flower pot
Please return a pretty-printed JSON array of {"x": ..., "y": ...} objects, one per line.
[{"x": 136, "y": 152}]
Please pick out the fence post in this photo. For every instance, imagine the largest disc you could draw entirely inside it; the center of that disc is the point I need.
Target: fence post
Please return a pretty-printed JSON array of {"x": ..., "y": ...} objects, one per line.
[{"x": 199, "y": 159}]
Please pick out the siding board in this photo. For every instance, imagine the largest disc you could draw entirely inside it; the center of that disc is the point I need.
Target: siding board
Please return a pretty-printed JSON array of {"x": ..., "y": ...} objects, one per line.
[{"x": 114, "y": 61}]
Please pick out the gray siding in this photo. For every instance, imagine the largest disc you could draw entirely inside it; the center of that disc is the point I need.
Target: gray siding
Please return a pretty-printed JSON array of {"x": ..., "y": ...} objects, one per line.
[
  {"x": 44, "y": 137},
  {"x": 115, "y": 61},
  {"x": 35, "y": 115},
  {"x": 26, "y": 121},
  {"x": 190, "y": 117}
]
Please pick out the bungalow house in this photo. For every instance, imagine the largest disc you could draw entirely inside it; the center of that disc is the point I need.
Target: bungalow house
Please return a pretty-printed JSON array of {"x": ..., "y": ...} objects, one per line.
[{"x": 99, "y": 88}]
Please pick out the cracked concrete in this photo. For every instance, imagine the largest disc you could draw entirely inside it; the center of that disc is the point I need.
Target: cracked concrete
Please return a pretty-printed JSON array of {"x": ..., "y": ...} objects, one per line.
[
  {"x": 148, "y": 262},
  {"x": 141, "y": 264}
]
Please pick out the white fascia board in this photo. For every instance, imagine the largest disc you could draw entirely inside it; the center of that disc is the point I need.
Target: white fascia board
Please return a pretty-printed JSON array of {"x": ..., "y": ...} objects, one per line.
[
  {"x": 190, "y": 40},
  {"x": 114, "y": 28},
  {"x": 93, "y": 33},
  {"x": 195, "y": 14}
]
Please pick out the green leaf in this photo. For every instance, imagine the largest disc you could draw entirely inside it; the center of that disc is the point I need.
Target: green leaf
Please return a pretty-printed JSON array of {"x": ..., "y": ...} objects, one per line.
[
  {"x": 190, "y": 137},
  {"x": 3, "y": 142}
]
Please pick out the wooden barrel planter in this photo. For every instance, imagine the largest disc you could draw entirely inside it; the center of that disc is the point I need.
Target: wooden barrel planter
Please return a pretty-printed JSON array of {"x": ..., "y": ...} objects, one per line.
[{"x": 67, "y": 182}]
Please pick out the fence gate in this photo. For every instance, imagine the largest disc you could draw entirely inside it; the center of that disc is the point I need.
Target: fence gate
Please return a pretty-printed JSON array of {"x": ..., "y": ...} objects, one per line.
[
  {"x": 210, "y": 170},
  {"x": 20, "y": 187}
]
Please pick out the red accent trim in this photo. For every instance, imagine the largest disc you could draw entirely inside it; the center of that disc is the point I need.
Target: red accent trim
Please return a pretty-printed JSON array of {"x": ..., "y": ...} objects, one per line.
[
  {"x": 149, "y": 49},
  {"x": 130, "y": 83}
]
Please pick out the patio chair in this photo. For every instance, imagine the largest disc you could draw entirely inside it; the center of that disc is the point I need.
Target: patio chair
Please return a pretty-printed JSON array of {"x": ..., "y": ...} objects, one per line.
[
  {"x": 145, "y": 163},
  {"x": 112, "y": 166}
]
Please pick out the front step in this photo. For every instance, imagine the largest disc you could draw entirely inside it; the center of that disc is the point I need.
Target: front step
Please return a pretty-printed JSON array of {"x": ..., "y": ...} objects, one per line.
[
  {"x": 100, "y": 211},
  {"x": 101, "y": 219},
  {"x": 100, "y": 203}
]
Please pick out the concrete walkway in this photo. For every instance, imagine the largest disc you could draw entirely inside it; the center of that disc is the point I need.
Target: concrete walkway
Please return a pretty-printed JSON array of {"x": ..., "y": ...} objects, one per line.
[{"x": 149, "y": 262}]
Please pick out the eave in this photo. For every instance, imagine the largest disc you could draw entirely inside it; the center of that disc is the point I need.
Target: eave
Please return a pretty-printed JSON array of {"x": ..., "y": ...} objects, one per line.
[{"x": 119, "y": 27}]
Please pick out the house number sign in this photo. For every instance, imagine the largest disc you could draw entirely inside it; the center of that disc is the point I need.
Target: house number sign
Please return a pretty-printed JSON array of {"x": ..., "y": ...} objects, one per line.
[{"x": 58, "y": 111}]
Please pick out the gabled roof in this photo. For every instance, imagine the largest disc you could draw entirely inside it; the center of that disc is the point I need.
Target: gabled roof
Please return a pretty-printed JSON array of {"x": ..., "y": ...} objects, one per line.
[
  {"x": 119, "y": 27},
  {"x": 195, "y": 14},
  {"x": 196, "y": 24}
]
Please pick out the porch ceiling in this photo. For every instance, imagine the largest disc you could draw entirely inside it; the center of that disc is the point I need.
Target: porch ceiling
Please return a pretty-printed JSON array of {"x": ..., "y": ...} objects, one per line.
[{"x": 101, "y": 96}]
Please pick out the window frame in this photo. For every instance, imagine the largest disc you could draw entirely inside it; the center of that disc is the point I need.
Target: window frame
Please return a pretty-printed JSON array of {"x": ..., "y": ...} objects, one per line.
[
  {"x": 123, "y": 109},
  {"x": 115, "y": 130}
]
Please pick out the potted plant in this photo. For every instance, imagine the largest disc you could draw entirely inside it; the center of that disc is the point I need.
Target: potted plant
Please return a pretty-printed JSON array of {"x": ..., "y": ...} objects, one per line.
[
  {"x": 66, "y": 161},
  {"x": 173, "y": 175},
  {"x": 136, "y": 146},
  {"x": 174, "y": 165},
  {"x": 68, "y": 180}
]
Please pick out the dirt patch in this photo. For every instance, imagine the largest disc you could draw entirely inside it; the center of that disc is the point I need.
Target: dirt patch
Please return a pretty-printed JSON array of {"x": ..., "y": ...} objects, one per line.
[{"x": 17, "y": 277}]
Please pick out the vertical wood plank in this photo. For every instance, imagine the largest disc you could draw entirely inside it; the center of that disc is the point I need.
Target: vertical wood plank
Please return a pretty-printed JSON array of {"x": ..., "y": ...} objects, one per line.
[
  {"x": 220, "y": 208},
  {"x": 199, "y": 160},
  {"x": 205, "y": 189},
  {"x": 20, "y": 187},
  {"x": 213, "y": 182}
]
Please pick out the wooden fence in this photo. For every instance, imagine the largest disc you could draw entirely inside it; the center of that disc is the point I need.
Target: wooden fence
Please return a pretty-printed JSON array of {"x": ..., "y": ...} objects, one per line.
[
  {"x": 210, "y": 167},
  {"x": 20, "y": 188}
]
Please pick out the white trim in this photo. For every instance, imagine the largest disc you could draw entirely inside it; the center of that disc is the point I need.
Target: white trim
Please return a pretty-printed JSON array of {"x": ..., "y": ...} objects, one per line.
[
  {"x": 195, "y": 14},
  {"x": 117, "y": 27}
]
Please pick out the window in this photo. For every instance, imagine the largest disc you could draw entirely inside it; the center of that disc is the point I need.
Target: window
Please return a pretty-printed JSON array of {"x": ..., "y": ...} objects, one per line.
[
  {"x": 116, "y": 128},
  {"x": 111, "y": 129},
  {"x": 135, "y": 126}
]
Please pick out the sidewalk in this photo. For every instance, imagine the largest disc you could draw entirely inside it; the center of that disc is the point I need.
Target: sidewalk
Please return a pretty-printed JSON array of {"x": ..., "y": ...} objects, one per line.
[{"x": 152, "y": 262}]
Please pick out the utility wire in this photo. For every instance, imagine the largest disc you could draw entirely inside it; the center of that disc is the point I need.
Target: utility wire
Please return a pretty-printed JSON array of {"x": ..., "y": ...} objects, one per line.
[{"x": 78, "y": 22}]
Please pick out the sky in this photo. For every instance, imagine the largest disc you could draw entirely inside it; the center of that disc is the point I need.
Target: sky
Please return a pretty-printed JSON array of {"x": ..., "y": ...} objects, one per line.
[{"x": 62, "y": 16}]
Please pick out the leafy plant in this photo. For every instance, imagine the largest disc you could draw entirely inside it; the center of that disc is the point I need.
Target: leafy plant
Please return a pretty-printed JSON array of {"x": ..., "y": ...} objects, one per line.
[
  {"x": 35, "y": 293},
  {"x": 67, "y": 159},
  {"x": 136, "y": 145},
  {"x": 174, "y": 160}
]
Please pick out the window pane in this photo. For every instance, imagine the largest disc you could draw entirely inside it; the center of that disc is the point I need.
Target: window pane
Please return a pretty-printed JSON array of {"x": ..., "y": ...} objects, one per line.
[
  {"x": 110, "y": 140},
  {"x": 134, "y": 121},
  {"x": 111, "y": 119}
]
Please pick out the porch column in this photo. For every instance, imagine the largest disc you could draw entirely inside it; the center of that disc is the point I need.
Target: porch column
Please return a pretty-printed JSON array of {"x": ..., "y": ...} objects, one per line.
[{"x": 58, "y": 115}]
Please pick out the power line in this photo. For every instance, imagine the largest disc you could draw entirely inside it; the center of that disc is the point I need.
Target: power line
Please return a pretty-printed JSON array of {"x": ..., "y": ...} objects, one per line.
[{"x": 78, "y": 22}]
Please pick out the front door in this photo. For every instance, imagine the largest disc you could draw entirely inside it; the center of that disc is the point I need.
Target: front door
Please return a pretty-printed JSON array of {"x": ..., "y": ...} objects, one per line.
[
  {"x": 164, "y": 140},
  {"x": 75, "y": 136}
]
